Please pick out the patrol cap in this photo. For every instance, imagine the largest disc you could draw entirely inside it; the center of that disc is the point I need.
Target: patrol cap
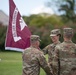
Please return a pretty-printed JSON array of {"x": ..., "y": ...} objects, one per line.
[
  {"x": 55, "y": 32},
  {"x": 35, "y": 38},
  {"x": 68, "y": 31}
]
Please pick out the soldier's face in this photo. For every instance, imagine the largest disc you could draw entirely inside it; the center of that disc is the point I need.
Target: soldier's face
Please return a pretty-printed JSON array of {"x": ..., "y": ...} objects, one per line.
[
  {"x": 38, "y": 43},
  {"x": 55, "y": 38}
]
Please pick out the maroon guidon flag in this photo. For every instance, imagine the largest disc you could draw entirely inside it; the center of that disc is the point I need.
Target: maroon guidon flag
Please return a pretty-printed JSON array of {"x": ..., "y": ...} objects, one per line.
[{"x": 18, "y": 33}]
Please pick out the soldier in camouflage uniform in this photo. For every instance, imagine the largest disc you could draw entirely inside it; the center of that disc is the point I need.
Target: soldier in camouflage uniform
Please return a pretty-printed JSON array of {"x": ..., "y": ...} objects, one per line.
[
  {"x": 33, "y": 59},
  {"x": 55, "y": 34},
  {"x": 66, "y": 53}
]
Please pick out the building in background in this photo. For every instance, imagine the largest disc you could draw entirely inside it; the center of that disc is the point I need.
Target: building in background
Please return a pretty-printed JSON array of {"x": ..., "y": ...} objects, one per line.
[{"x": 4, "y": 19}]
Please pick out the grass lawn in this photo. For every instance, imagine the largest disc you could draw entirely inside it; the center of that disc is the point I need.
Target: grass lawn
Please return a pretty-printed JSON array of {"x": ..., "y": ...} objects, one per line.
[{"x": 11, "y": 63}]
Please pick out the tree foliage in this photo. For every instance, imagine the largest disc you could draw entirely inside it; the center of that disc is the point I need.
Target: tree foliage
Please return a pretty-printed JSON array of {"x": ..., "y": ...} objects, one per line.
[
  {"x": 2, "y": 36},
  {"x": 42, "y": 25},
  {"x": 68, "y": 7}
]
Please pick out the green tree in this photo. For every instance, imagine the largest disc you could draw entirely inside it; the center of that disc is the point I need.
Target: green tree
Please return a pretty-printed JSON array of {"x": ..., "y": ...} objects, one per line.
[
  {"x": 2, "y": 36},
  {"x": 42, "y": 25},
  {"x": 68, "y": 7}
]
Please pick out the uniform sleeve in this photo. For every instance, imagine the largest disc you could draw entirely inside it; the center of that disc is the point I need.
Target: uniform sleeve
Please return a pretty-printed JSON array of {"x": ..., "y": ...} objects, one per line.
[
  {"x": 43, "y": 63},
  {"x": 57, "y": 58},
  {"x": 45, "y": 50}
]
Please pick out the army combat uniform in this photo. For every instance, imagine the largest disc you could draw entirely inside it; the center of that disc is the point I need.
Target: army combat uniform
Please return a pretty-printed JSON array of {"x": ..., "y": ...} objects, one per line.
[
  {"x": 33, "y": 59},
  {"x": 66, "y": 53},
  {"x": 50, "y": 49}
]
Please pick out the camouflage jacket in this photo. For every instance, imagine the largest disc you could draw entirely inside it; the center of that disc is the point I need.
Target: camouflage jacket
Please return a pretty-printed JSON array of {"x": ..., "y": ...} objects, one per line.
[
  {"x": 66, "y": 53},
  {"x": 33, "y": 59},
  {"x": 50, "y": 49}
]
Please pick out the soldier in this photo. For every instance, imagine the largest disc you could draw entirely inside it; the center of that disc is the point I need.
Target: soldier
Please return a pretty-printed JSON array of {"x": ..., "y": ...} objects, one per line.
[
  {"x": 55, "y": 34},
  {"x": 66, "y": 53},
  {"x": 33, "y": 59}
]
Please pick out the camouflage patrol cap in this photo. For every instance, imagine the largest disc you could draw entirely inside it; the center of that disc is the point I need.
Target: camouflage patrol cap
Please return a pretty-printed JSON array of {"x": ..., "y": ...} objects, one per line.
[
  {"x": 55, "y": 32},
  {"x": 68, "y": 31},
  {"x": 35, "y": 38}
]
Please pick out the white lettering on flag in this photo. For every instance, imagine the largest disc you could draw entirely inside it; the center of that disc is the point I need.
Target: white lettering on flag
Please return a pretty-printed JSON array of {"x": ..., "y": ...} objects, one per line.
[
  {"x": 22, "y": 23},
  {"x": 18, "y": 33},
  {"x": 15, "y": 37}
]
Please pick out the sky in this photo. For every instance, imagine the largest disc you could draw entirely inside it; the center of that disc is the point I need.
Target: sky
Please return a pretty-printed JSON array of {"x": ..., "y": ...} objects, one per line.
[{"x": 26, "y": 7}]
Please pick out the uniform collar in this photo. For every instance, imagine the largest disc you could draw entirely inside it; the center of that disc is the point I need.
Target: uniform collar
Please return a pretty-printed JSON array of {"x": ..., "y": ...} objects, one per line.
[
  {"x": 69, "y": 41},
  {"x": 56, "y": 43}
]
